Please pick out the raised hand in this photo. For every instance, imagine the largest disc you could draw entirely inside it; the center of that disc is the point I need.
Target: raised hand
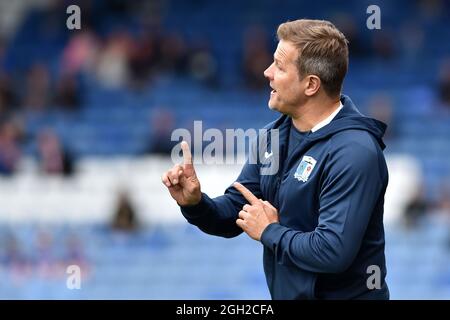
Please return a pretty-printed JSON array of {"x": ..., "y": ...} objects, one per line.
[{"x": 182, "y": 180}]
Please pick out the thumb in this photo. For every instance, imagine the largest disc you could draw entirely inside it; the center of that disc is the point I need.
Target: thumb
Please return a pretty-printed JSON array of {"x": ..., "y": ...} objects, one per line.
[
  {"x": 269, "y": 205},
  {"x": 185, "y": 179},
  {"x": 269, "y": 209}
]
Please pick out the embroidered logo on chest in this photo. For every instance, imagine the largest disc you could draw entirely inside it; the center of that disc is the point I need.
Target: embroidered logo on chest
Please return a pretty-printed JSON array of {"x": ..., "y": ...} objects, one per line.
[{"x": 305, "y": 168}]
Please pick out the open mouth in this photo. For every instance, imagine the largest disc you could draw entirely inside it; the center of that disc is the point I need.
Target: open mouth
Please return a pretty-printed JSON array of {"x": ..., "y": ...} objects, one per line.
[{"x": 273, "y": 91}]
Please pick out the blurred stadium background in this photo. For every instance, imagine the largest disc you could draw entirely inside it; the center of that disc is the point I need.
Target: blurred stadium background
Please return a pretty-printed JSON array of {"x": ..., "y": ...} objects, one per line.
[{"x": 85, "y": 123}]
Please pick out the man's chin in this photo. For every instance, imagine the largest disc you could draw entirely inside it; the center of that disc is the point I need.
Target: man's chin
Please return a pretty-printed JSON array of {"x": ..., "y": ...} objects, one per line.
[{"x": 272, "y": 106}]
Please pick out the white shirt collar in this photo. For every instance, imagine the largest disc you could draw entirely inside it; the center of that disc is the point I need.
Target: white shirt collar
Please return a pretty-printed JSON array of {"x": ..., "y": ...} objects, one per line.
[{"x": 326, "y": 121}]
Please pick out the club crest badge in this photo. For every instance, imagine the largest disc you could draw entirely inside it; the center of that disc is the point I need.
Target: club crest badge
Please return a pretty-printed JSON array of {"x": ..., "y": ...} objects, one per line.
[{"x": 305, "y": 168}]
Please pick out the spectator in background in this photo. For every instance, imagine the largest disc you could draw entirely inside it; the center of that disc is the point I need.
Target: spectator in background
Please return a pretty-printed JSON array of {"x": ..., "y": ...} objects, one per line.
[
  {"x": 125, "y": 215},
  {"x": 380, "y": 108},
  {"x": 444, "y": 83},
  {"x": 80, "y": 53},
  {"x": 431, "y": 10},
  {"x": 68, "y": 93},
  {"x": 162, "y": 123},
  {"x": 383, "y": 45},
  {"x": 256, "y": 57},
  {"x": 8, "y": 99},
  {"x": 173, "y": 54},
  {"x": 74, "y": 254},
  {"x": 44, "y": 259},
  {"x": 142, "y": 59},
  {"x": 3, "y": 46},
  {"x": 10, "y": 153},
  {"x": 442, "y": 207},
  {"x": 202, "y": 65},
  {"x": 13, "y": 258},
  {"x": 412, "y": 41},
  {"x": 37, "y": 94},
  {"x": 53, "y": 157},
  {"x": 416, "y": 208},
  {"x": 112, "y": 63},
  {"x": 356, "y": 45}
]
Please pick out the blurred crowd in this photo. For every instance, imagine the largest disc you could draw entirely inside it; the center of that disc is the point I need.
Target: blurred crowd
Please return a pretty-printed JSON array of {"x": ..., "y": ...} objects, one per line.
[
  {"x": 47, "y": 259},
  {"x": 131, "y": 45}
]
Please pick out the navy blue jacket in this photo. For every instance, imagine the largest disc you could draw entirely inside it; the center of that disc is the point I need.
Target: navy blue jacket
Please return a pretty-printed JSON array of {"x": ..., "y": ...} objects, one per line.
[{"x": 329, "y": 194}]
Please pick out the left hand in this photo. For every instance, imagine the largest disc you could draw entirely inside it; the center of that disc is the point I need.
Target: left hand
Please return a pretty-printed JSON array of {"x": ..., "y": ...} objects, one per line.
[{"x": 256, "y": 216}]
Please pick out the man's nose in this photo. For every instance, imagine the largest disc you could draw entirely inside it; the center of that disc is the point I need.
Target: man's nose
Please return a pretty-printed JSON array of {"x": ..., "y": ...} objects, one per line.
[{"x": 268, "y": 72}]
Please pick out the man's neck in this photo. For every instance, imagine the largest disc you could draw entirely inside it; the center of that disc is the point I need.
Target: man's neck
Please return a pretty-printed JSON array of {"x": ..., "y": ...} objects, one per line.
[{"x": 313, "y": 112}]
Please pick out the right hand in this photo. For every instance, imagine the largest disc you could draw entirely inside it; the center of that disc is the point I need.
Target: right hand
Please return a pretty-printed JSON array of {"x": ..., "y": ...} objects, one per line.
[{"x": 182, "y": 180}]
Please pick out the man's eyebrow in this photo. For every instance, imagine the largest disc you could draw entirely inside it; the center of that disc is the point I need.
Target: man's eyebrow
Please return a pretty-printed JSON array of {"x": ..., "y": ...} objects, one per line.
[{"x": 278, "y": 61}]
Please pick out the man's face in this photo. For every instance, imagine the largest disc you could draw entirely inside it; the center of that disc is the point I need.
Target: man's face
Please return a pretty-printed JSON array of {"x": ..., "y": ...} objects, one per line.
[{"x": 284, "y": 79}]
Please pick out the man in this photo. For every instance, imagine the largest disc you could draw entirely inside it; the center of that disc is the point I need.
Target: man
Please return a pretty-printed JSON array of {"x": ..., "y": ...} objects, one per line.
[{"x": 320, "y": 217}]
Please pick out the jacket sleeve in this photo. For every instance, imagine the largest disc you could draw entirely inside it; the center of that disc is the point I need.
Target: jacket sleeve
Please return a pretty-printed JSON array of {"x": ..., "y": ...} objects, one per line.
[
  {"x": 350, "y": 190},
  {"x": 218, "y": 216}
]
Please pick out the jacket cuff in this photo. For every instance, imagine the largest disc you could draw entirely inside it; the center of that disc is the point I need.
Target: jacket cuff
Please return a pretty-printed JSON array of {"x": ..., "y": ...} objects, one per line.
[
  {"x": 272, "y": 235},
  {"x": 197, "y": 210}
]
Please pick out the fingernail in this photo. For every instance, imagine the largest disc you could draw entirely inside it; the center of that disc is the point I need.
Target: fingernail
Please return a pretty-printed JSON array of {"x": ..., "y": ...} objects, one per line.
[{"x": 175, "y": 181}]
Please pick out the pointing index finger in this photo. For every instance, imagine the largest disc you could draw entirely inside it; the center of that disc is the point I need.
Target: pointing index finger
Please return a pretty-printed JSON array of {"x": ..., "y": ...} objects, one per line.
[
  {"x": 246, "y": 193},
  {"x": 187, "y": 156}
]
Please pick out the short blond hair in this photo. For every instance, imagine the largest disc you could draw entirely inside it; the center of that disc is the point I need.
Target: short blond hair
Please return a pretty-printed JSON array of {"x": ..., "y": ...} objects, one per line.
[{"x": 323, "y": 51}]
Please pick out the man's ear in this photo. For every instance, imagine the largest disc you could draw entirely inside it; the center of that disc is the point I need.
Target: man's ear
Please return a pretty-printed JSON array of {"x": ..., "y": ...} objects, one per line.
[{"x": 312, "y": 85}]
